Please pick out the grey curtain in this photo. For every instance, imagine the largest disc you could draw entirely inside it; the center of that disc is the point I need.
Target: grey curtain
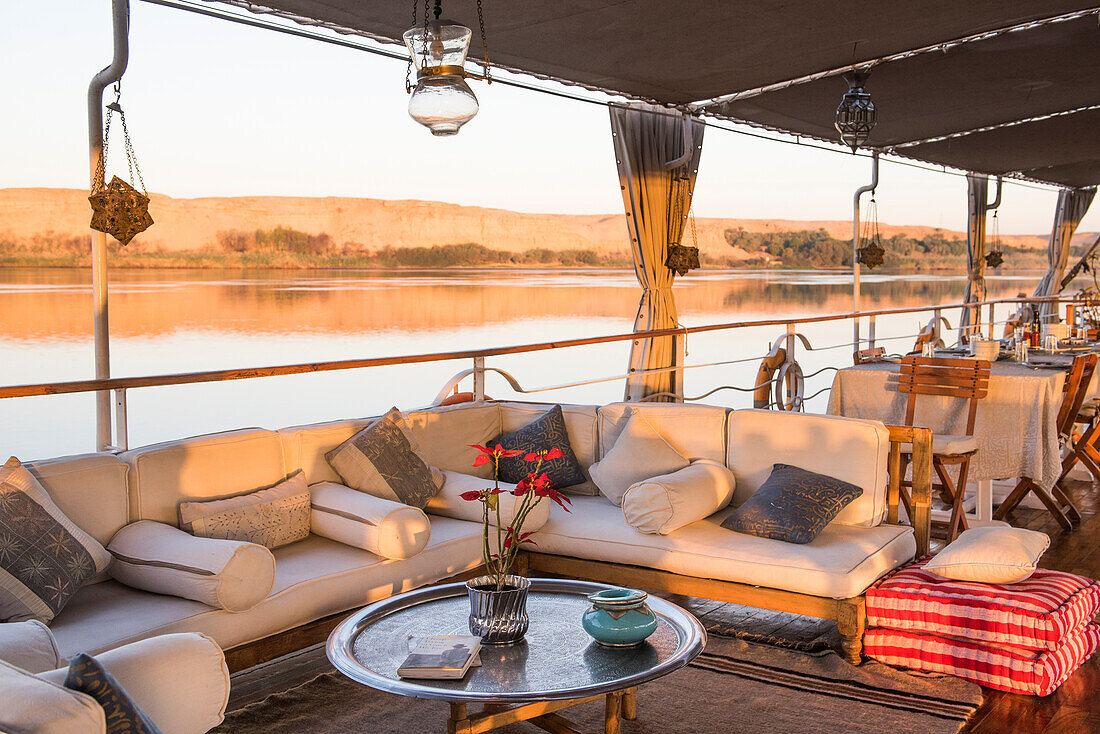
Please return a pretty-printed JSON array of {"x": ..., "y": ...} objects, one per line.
[
  {"x": 1071, "y": 209},
  {"x": 976, "y": 199},
  {"x": 646, "y": 140}
]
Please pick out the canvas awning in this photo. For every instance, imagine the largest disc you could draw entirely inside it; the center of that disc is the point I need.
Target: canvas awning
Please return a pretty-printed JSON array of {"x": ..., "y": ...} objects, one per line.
[{"x": 1023, "y": 103}]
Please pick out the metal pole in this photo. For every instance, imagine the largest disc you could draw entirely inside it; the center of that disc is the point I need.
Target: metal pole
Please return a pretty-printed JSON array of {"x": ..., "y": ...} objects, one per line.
[
  {"x": 855, "y": 248},
  {"x": 120, "y": 21}
]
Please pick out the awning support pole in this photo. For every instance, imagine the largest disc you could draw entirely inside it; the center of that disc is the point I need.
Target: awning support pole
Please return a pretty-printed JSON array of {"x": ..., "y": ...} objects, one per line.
[
  {"x": 855, "y": 248},
  {"x": 120, "y": 21}
]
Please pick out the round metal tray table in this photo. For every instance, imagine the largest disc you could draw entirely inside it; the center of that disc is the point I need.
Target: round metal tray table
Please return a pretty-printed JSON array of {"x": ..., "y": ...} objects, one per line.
[{"x": 557, "y": 665}]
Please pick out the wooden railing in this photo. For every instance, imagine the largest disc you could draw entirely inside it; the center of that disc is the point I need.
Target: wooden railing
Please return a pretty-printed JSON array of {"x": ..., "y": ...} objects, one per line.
[{"x": 120, "y": 384}]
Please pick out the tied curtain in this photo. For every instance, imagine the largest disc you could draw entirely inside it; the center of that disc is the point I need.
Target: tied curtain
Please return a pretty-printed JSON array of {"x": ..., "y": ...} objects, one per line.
[
  {"x": 977, "y": 192},
  {"x": 1070, "y": 210},
  {"x": 657, "y": 153}
]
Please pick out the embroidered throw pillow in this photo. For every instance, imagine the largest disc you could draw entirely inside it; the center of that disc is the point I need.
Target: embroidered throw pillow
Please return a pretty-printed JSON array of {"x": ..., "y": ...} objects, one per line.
[
  {"x": 87, "y": 675},
  {"x": 272, "y": 517},
  {"x": 546, "y": 432},
  {"x": 792, "y": 505},
  {"x": 385, "y": 460},
  {"x": 44, "y": 557}
]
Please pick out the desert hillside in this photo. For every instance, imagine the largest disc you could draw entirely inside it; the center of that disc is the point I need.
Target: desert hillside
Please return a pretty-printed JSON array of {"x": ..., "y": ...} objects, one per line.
[{"x": 373, "y": 224}]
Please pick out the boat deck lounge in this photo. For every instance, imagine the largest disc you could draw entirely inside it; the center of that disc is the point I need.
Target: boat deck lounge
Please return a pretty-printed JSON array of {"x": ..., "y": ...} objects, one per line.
[{"x": 917, "y": 554}]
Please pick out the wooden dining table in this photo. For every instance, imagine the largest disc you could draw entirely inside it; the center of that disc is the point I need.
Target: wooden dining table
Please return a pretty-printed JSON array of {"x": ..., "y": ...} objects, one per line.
[{"x": 1015, "y": 426}]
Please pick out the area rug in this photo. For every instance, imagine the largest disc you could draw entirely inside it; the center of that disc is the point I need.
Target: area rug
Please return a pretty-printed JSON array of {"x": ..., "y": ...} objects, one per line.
[{"x": 735, "y": 685}]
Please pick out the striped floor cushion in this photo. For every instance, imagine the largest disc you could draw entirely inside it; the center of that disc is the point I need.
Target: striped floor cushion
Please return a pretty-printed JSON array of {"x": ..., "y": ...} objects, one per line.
[
  {"x": 1035, "y": 614},
  {"x": 1015, "y": 671}
]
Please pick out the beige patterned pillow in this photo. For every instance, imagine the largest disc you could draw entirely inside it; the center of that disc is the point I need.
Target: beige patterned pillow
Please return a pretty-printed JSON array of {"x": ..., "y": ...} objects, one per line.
[
  {"x": 44, "y": 557},
  {"x": 385, "y": 460},
  {"x": 273, "y": 517}
]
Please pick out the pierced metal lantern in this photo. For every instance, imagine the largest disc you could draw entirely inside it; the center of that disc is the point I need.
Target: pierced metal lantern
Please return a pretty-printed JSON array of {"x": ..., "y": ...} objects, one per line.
[
  {"x": 995, "y": 258},
  {"x": 442, "y": 100},
  {"x": 682, "y": 259},
  {"x": 871, "y": 255},
  {"x": 120, "y": 210},
  {"x": 855, "y": 117}
]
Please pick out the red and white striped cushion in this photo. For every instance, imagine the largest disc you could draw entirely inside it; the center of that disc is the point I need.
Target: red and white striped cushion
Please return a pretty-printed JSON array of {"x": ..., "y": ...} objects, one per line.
[
  {"x": 1015, "y": 671},
  {"x": 1035, "y": 614}
]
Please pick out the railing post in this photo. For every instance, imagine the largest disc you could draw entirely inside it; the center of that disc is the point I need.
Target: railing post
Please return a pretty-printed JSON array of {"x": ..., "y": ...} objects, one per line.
[
  {"x": 871, "y": 331},
  {"x": 992, "y": 322},
  {"x": 122, "y": 440},
  {"x": 479, "y": 378},
  {"x": 936, "y": 316}
]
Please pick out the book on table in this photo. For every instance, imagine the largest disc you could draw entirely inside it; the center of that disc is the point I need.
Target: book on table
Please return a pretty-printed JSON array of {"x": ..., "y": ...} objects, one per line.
[{"x": 441, "y": 657}]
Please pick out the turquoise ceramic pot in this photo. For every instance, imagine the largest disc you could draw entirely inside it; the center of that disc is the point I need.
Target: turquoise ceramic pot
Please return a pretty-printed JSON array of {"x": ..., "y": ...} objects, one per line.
[{"x": 619, "y": 617}]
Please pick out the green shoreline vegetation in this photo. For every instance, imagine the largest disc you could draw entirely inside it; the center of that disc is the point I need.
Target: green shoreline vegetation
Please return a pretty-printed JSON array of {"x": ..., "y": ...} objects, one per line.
[{"x": 286, "y": 248}]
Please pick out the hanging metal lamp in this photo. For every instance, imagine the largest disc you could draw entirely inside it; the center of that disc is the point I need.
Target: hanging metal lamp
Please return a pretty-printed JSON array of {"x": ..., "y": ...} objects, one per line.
[
  {"x": 855, "y": 117},
  {"x": 442, "y": 101}
]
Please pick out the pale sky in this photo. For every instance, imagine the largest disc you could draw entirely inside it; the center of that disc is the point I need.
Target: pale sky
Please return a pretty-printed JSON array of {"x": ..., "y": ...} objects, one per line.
[{"x": 218, "y": 109}]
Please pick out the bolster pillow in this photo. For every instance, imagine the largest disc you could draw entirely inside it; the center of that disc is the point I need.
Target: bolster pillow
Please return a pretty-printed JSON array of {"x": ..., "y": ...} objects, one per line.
[
  {"x": 229, "y": 574},
  {"x": 385, "y": 528},
  {"x": 449, "y": 502},
  {"x": 669, "y": 502}
]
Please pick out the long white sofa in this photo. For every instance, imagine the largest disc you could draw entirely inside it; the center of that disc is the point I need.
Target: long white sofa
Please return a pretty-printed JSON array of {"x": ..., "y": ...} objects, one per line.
[{"x": 317, "y": 578}]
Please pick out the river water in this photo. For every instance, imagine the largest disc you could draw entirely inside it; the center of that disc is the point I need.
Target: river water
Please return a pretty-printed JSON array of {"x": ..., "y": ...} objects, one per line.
[{"x": 168, "y": 321}]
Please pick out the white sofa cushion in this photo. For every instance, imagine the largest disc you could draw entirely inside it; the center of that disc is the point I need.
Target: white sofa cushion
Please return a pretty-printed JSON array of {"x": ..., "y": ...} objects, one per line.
[
  {"x": 383, "y": 527},
  {"x": 272, "y": 516},
  {"x": 313, "y": 579},
  {"x": 667, "y": 503},
  {"x": 696, "y": 431},
  {"x": 91, "y": 489},
  {"x": 840, "y": 563},
  {"x": 29, "y": 645},
  {"x": 991, "y": 555},
  {"x": 850, "y": 450},
  {"x": 580, "y": 422},
  {"x": 227, "y": 574},
  {"x": 180, "y": 681},
  {"x": 639, "y": 453},
  {"x": 305, "y": 447},
  {"x": 445, "y": 434},
  {"x": 204, "y": 467},
  {"x": 37, "y": 706},
  {"x": 449, "y": 503}
]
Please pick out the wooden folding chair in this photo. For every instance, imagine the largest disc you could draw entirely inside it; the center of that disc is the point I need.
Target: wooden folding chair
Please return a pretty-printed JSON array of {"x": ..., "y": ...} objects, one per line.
[
  {"x": 1057, "y": 501},
  {"x": 874, "y": 354},
  {"x": 956, "y": 378},
  {"x": 1083, "y": 448}
]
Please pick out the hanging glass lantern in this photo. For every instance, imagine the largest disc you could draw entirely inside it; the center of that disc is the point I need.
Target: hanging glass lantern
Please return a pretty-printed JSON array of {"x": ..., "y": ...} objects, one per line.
[
  {"x": 442, "y": 100},
  {"x": 855, "y": 117}
]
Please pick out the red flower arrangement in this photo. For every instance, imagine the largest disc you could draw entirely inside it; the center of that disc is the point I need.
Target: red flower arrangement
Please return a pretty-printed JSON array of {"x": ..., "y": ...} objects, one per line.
[{"x": 531, "y": 489}]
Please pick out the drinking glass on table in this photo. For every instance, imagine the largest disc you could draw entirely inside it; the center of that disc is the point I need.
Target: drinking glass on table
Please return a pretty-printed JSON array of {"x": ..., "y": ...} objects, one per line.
[
  {"x": 1050, "y": 343},
  {"x": 928, "y": 349},
  {"x": 1020, "y": 353}
]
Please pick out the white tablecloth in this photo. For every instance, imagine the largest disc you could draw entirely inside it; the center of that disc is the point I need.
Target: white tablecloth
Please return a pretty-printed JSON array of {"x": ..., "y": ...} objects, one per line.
[{"x": 1015, "y": 426}]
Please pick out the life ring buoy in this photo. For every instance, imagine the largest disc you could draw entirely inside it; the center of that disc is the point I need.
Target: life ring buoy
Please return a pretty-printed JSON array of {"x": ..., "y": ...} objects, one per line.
[
  {"x": 460, "y": 397},
  {"x": 762, "y": 394}
]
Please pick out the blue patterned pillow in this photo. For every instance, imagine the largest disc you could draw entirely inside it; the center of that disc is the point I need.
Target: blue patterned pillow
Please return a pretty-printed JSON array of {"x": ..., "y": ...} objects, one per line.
[
  {"x": 87, "y": 675},
  {"x": 792, "y": 505},
  {"x": 542, "y": 434}
]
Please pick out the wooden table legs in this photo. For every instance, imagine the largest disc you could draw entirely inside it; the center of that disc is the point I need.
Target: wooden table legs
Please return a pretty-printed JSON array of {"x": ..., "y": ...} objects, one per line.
[{"x": 617, "y": 706}]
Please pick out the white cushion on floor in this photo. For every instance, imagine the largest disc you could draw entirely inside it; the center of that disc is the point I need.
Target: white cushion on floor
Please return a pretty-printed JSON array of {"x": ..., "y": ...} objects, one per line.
[
  {"x": 991, "y": 555},
  {"x": 696, "y": 431},
  {"x": 664, "y": 504},
  {"x": 32, "y": 705},
  {"x": 205, "y": 467},
  {"x": 227, "y": 574},
  {"x": 313, "y": 579},
  {"x": 383, "y": 527},
  {"x": 839, "y": 563},
  {"x": 847, "y": 449},
  {"x": 180, "y": 681},
  {"x": 448, "y": 503}
]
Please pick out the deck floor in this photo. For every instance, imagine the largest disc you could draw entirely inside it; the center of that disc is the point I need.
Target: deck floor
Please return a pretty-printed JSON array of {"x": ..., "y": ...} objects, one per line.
[{"x": 1073, "y": 709}]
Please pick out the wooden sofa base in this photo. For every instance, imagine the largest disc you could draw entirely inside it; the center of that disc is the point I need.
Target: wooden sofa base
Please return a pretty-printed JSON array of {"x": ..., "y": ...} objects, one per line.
[{"x": 849, "y": 614}]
